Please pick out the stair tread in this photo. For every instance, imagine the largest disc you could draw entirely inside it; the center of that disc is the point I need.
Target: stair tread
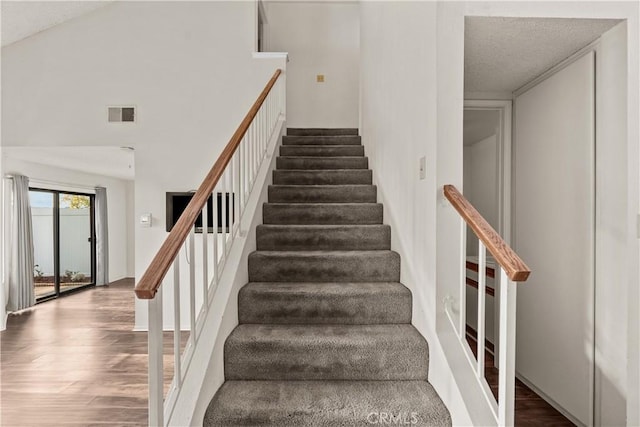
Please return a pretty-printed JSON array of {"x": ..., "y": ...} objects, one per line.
[
  {"x": 326, "y": 351},
  {"x": 324, "y": 403},
  {"x": 325, "y": 288},
  {"x": 333, "y": 253},
  {"x": 336, "y": 186},
  {"x": 364, "y": 303},
  {"x": 320, "y": 204},
  {"x": 323, "y": 171},
  {"x": 278, "y": 237},
  {"x": 322, "y": 150},
  {"x": 321, "y": 158},
  {"x": 322, "y": 213},
  {"x": 320, "y": 145},
  {"x": 328, "y": 193},
  {"x": 321, "y": 131},
  {"x": 296, "y": 335},
  {"x": 323, "y": 226},
  {"x": 322, "y": 163},
  {"x": 322, "y": 140}
]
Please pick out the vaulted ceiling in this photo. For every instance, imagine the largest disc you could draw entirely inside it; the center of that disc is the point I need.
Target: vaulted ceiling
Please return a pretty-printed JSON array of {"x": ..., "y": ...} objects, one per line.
[{"x": 21, "y": 19}]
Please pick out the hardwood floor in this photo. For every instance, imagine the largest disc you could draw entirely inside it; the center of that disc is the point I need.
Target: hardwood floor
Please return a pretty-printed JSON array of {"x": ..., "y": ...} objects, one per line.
[
  {"x": 76, "y": 361},
  {"x": 531, "y": 409}
]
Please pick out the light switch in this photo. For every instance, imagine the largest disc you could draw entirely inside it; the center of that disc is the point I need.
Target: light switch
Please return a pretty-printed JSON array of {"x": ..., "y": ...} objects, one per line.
[
  {"x": 145, "y": 220},
  {"x": 320, "y": 78},
  {"x": 423, "y": 167}
]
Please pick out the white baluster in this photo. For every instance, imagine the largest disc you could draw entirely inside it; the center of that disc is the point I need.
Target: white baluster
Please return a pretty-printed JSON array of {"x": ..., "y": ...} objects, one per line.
[
  {"x": 205, "y": 257},
  {"x": 232, "y": 185},
  {"x": 192, "y": 284},
  {"x": 506, "y": 374},
  {"x": 482, "y": 259},
  {"x": 462, "y": 326},
  {"x": 156, "y": 378},
  {"x": 241, "y": 176},
  {"x": 235, "y": 195},
  {"x": 176, "y": 322},
  {"x": 224, "y": 217},
  {"x": 216, "y": 221}
]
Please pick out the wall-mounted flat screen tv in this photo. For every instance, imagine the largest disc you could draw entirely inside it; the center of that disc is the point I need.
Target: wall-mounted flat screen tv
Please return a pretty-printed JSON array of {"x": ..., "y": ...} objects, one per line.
[{"x": 178, "y": 201}]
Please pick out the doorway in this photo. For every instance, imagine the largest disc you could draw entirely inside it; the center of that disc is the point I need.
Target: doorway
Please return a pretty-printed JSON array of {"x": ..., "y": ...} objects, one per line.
[
  {"x": 63, "y": 240},
  {"x": 486, "y": 184}
]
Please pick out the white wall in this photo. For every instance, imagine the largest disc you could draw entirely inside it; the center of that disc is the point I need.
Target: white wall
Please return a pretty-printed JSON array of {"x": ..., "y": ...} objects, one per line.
[
  {"x": 398, "y": 126},
  {"x": 612, "y": 230},
  {"x": 481, "y": 183},
  {"x": 116, "y": 201},
  {"x": 553, "y": 231},
  {"x": 321, "y": 38},
  {"x": 188, "y": 68}
]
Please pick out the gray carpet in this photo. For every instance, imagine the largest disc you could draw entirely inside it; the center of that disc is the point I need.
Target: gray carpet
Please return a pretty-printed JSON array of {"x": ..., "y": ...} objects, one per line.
[{"x": 325, "y": 335}]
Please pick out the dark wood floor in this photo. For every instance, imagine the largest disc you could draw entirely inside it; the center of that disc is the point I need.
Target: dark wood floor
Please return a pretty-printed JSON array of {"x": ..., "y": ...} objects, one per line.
[
  {"x": 76, "y": 361},
  {"x": 531, "y": 409}
]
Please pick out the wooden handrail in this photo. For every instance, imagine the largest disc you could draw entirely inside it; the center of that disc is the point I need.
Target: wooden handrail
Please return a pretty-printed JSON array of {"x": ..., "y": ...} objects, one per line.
[
  {"x": 510, "y": 262},
  {"x": 153, "y": 276}
]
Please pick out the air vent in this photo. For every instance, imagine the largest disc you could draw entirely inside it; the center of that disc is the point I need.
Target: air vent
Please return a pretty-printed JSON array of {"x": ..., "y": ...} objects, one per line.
[{"x": 122, "y": 114}]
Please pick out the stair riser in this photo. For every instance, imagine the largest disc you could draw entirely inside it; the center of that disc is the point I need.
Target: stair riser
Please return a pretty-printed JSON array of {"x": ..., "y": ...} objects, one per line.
[
  {"x": 322, "y": 151},
  {"x": 328, "y": 177},
  {"x": 322, "y": 140},
  {"x": 326, "y": 303},
  {"x": 326, "y": 238},
  {"x": 321, "y": 131},
  {"x": 328, "y": 194},
  {"x": 322, "y": 213},
  {"x": 326, "y": 357},
  {"x": 345, "y": 267},
  {"x": 307, "y": 163}
]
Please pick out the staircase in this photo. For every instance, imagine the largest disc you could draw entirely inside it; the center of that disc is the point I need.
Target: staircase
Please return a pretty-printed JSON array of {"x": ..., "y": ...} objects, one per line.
[{"x": 325, "y": 335}]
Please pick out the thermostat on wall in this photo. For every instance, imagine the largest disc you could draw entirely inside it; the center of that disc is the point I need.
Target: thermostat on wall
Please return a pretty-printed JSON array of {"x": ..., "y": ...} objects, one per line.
[{"x": 145, "y": 220}]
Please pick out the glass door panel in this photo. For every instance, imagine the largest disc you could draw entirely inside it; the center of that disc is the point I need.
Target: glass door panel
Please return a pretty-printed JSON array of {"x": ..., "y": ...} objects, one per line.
[
  {"x": 75, "y": 234},
  {"x": 42, "y": 220}
]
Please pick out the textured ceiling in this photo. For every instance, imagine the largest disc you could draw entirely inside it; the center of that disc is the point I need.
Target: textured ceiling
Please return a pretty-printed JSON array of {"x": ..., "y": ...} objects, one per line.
[
  {"x": 479, "y": 124},
  {"x": 115, "y": 162},
  {"x": 503, "y": 54},
  {"x": 21, "y": 19}
]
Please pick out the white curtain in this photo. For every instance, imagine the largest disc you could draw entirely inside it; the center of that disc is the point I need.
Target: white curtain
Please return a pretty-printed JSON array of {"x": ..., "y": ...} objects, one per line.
[
  {"x": 20, "y": 268},
  {"x": 102, "y": 238}
]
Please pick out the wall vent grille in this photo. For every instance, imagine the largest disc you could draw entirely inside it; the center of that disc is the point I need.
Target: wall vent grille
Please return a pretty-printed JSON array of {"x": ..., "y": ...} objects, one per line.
[{"x": 121, "y": 114}]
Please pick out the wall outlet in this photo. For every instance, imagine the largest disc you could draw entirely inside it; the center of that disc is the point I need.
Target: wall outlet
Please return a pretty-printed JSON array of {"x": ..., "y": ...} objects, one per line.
[
  {"x": 320, "y": 78},
  {"x": 423, "y": 167}
]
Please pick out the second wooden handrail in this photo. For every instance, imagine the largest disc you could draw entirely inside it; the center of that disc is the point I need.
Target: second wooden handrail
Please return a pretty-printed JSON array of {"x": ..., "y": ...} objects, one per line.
[
  {"x": 153, "y": 276},
  {"x": 511, "y": 263}
]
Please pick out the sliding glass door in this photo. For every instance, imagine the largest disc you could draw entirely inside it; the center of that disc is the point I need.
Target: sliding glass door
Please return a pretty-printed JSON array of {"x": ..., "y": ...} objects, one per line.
[{"x": 63, "y": 240}]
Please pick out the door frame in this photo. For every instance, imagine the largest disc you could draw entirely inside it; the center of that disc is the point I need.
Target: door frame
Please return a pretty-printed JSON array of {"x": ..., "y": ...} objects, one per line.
[
  {"x": 56, "y": 241},
  {"x": 503, "y": 185}
]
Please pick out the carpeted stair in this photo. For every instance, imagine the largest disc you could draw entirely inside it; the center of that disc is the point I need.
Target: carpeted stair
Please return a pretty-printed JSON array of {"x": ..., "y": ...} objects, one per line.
[{"x": 325, "y": 335}]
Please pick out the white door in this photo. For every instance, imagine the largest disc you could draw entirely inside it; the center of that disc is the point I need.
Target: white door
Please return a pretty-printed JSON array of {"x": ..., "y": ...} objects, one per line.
[{"x": 554, "y": 233}]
